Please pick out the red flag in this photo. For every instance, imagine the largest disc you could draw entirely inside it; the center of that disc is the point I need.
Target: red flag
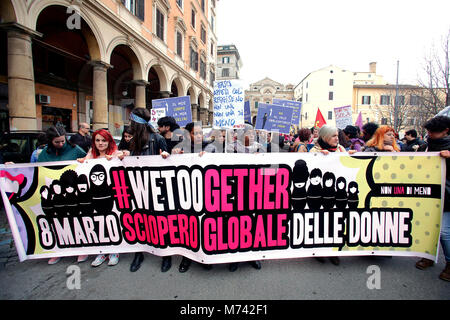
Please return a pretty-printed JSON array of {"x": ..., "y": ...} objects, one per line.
[{"x": 320, "y": 120}]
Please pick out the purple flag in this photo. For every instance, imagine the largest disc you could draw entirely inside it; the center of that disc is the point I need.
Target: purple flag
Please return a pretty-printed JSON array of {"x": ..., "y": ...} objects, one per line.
[{"x": 359, "y": 121}]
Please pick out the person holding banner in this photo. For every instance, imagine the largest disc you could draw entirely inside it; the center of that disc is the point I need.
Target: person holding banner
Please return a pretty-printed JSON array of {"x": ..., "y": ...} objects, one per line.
[
  {"x": 218, "y": 144},
  {"x": 166, "y": 127},
  {"x": 383, "y": 140},
  {"x": 301, "y": 144},
  {"x": 59, "y": 149},
  {"x": 126, "y": 139},
  {"x": 438, "y": 129},
  {"x": 328, "y": 141},
  {"x": 104, "y": 146},
  {"x": 192, "y": 143},
  {"x": 145, "y": 142},
  {"x": 244, "y": 141}
]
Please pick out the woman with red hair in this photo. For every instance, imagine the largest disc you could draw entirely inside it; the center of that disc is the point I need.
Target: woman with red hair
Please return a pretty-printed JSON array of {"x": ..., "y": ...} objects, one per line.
[
  {"x": 383, "y": 140},
  {"x": 103, "y": 146}
]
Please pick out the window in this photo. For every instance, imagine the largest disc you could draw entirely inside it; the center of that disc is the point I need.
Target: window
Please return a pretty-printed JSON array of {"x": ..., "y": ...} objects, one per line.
[
  {"x": 330, "y": 95},
  {"x": 193, "y": 18},
  {"x": 256, "y": 104},
  {"x": 194, "y": 59},
  {"x": 385, "y": 100},
  {"x": 306, "y": 99},
  {"x": 203, "y": 34},
  {"x": 383, "y": 121},
  {"x": 400, "y": 100},
  {"x": 330, "y": 115},
  {"x": 212, "y": 49},
  {"x": 136, "y": 7},
  {"x": 179, "y": 44},
  {"x": 212, "y": 78},
  {"x": 331, "y": 82},
  {"x": 225, "y": 72},
  {"x": 414, "y": 100},
  {"x": 159, "y": 24},
  {"x": 306, "y": 115},
  {"x": 180, "y": 3},
  {"x": 202, "y": 69},
  {"x": 365, "y": 99},
  {"x": 225, "y": 60},
  {"x": 212, "y": 23},
  {"x": 203, "y": 5}
]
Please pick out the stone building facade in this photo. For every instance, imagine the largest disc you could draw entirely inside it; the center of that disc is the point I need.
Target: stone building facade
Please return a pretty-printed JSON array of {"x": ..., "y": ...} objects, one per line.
[{"x": 93, "y": 60}]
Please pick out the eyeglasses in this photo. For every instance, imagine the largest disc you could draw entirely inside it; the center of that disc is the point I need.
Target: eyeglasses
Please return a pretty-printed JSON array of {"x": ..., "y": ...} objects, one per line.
[{"x": 99, "y": 176}]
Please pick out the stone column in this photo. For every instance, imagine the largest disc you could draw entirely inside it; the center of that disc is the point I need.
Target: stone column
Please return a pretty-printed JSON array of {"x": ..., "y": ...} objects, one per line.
[
  {"x": 21, "y": 87},
  {"x": 100, "y": 95},
  {"x": 140, "y": 101},
  {"x": 164, "y": 94},
  {"x": 195, "y": 112}
]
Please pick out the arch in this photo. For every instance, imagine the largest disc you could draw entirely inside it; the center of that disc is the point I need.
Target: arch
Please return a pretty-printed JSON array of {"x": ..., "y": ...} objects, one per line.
[
  {"x": 133, "y": 53},
  {"x": 190, "y": 91},
  {"x": 161, "y": 71},
  {"x": 93, "y": 37},
  {"x": 176, "y": 80},
  {"x": 201, "y": 100}
]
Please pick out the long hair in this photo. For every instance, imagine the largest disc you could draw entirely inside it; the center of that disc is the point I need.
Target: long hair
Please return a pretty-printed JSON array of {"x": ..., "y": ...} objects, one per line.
[
  {"x": 112, "y": 147},
  {"x": 141, "y": 132},
  {"x": 378, "y": 138},
  {"x": 55, "y": 132}
]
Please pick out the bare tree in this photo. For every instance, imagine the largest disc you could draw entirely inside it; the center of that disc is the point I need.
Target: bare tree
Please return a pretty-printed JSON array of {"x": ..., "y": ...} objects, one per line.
[{"x": 435, "y": 81}]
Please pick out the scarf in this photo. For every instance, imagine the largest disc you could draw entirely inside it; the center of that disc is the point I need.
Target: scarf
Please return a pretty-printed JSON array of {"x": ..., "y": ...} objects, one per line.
[
  {"x": 439, "y": 144},
  {"x": 326, "y": 146}
]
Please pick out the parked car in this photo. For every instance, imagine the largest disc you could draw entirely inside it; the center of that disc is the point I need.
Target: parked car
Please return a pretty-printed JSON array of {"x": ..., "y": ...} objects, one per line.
[{"x": 18, "y": 146}]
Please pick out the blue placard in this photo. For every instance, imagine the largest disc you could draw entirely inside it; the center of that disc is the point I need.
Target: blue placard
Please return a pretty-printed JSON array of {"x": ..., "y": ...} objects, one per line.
[
  {"x": 178, "y": 107},
  {"x": 296, "y": 105},
  {"x": 273, "y": 117},
  {"x": 247, "y": 112}
]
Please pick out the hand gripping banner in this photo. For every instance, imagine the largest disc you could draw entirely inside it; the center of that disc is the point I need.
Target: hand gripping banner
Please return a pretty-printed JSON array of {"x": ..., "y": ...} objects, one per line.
[{"x": 228, "y": 207}]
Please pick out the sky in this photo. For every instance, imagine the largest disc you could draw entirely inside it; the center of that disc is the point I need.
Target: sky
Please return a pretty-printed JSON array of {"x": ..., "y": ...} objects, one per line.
[{"x": 285, "y": 40}]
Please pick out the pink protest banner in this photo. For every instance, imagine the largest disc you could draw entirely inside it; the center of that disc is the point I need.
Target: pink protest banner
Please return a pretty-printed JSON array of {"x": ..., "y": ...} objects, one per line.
[{"x": 228, "y": 207}]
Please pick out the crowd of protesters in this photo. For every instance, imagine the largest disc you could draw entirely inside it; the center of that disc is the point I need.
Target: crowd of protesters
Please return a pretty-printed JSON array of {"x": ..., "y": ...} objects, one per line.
[{"x": 142, "y": 138}]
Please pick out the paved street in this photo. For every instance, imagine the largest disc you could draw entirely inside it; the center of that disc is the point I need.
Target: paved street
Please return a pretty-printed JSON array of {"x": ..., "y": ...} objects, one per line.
[{"x": 277, "y": 280}]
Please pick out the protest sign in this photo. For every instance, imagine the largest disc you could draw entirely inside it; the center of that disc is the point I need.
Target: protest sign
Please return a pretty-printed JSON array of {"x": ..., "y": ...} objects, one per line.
[
  {"x": 228, "y": 104},
  {"x": 343, "y": 116},
  {"x": 178, "y": 107},
  {"x": 228, "y": 207},
  {"x": 296, "y": 105},
  {"x": 247, "y": 112},
  {"x": 275, "y": 118},
  {"x": 155, "y": 115}
]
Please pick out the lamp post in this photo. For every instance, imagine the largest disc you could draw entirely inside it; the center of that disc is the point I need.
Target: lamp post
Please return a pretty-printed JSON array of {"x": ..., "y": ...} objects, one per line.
[{"x": 396, "y": 103}]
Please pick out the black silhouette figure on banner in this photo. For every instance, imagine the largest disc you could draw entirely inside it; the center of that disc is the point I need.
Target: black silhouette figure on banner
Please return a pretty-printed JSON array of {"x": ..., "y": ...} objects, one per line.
[
  {"x": 83, "y": 195},
  {"x": 314, "y": 194},
  {"x": 328, "y": 191},
  {"x": 264, "y": 119},
  {"x": 46, "y": 201},
  {"x": 57, "y": 198},
  {"x": 353, "y": 198},
  {"x": 102, "y": 200},
  {"x": 300, "y": 178},
  {"x": 341, "y": 193},
  {"x": 68, "y": 183}
]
